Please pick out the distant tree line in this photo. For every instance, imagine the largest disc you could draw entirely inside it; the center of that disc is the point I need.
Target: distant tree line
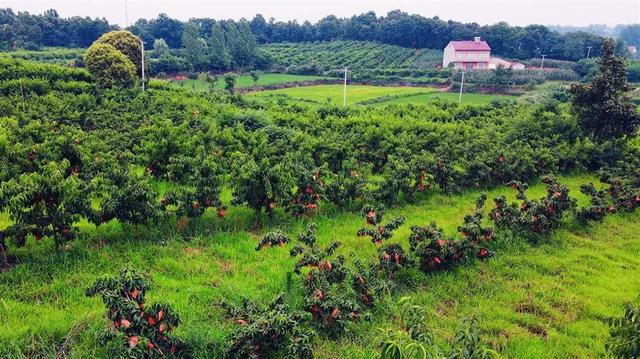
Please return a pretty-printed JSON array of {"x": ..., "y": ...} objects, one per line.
[
  {"x": 26, "y": 31},
  {"x": 227, "y": 44}
]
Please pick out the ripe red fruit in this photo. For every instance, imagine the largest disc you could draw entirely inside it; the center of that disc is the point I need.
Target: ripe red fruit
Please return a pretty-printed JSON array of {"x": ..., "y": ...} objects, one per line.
[
  {"x": 133, "y": 341},
  {"x": 38, "y": 236},
  {"x": 319, "y": 294},
  {"x": 386, "y": 256},
  {"x": 441, "y": 243},
  {"x": 221, "y": 212},
  {"x": 483, "y": 252},
  {"x": 281, "y": 244},
  {"x": 328, "y": 266},
  {"x": 64, "y": 231},
  {"x": 161, "y": 327},
  {"x": 272, "y": 204},
  {"x": 134, "y": 293},
  {"x": 501, "y": 159},
  {"x": 241, "y": 322},
  {"x": 396, "y": 258},
  {"x": 437, "y": 260},
  {"x": 150, "y": 345},
  {"x": 125, "y": 323},
  {"x": 160, "y": 314},
  {"x": 638, "y": 198},
  {"x": 149, "y": 169},
  {"x": 151, "y": 321},
  {"x": 371, "y": 215},
  {"x": 334, "y": 313},
  {"x": 380, "y": 229},
  {"x": 353, "y": 315},
  {"x": 361, "y": 279}
]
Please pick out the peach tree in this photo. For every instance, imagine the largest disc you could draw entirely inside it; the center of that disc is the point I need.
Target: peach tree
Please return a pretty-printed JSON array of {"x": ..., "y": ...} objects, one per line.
[{"x": 137, "y": 329}]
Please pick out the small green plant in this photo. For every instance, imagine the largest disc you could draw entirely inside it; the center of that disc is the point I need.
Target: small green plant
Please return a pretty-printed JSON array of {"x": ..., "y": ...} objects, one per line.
[
  {"x": 272, "y": 239},
  {"x": 625, "y": 333},
  {"x": 266, "y": 332},
  {"x": 379, "y": 232}
]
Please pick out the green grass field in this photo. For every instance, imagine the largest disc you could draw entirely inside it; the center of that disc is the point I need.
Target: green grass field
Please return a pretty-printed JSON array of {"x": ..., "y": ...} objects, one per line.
[
  {"x": 246, "y": 81},
  {"x": 380, "y": 95},
  {"x": 549, "y": 300},
  {"x": 355, "y": 93}
]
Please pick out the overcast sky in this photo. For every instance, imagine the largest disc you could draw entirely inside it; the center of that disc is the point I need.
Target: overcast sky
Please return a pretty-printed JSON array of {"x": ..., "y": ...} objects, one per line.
[{"x": 515, "y": 12}]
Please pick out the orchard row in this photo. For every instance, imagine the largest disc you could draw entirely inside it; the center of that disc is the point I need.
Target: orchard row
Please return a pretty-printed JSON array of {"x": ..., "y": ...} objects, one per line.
[
  {"x": 338, "y": 292},
  {"x": 71, "y": 150}
]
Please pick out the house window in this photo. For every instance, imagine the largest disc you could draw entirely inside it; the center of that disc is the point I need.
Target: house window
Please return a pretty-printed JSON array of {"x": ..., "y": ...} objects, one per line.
[{"x": 460, "y": 55}]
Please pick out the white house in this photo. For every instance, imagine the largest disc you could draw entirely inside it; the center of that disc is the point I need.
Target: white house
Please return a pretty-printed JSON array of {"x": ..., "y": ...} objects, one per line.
[
  {"x": 469, "y": 55},
  {"x": 474, "y": 55},
  {"x": 495, "y": 61}
]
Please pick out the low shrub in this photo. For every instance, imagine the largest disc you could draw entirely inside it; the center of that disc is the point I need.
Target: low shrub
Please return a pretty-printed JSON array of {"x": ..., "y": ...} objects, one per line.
[{"x": 137, "y": 330}]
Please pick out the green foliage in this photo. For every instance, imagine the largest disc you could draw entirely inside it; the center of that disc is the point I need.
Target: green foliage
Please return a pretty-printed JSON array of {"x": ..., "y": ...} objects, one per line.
[
  {"x": 434, "y": 251},
  {"x": 267, "y": 332},
  {"x": 603, "y": 106},
  {"x": 110, "y": 67},
  {"x": 138, "y": 329},
  {"x": 218, "y": 53},
  {"x": 625, "y": 333},
  {"x": 413, "y": 340},
  {"x": 534, "y": 218},
  {"x": 194, "y": 48},
  {"x": 379, "y": 232},
  {"x": 271, "y": 239},
  {"x": 230, "y": 82},
  {"x": 127, "y": 43}
]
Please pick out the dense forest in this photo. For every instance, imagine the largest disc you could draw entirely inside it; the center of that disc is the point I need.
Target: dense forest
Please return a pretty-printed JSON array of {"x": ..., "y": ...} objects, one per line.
[{"x": 230, "y": 38}]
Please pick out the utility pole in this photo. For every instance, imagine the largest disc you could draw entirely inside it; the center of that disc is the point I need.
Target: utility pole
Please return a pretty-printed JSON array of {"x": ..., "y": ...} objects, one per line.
[
  {"x": 344, "y": 92},
  {"x": 542, "y": 63},
  {"x": 142, "y": 49},
  {"x": 126, "y": 14},
  {"x": 588, "y": 51},
  {"x": 461, "y": 86}
]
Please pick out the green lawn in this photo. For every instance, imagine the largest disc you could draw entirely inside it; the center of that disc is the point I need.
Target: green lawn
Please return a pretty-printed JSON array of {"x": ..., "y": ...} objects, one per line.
[
  {"x": 378, "y": 95},
  {"x": 355, "y": 93},
  {"x": 247, "y": 81},
  {"x": 549, "y": 300}
]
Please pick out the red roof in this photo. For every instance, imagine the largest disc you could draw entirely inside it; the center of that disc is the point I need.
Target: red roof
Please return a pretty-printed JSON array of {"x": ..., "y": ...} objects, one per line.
[{"x": 471, "y": 45}]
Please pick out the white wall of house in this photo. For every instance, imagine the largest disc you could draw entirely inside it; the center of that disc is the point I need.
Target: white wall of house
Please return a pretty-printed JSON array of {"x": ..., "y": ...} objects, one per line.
[{"x": 448, "y": 56}]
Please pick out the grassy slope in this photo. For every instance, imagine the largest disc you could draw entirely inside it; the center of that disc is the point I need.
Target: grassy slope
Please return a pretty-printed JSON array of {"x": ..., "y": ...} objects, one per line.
[
  {"x": 467, "y": 98},
  {"x": 247, "y": 81},
  {"x": 549, "y": 300}
]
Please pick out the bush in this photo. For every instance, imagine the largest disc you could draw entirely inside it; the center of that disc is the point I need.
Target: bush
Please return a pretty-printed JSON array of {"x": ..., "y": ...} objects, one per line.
[
  {"x": 109, "y": 66},
  {"x": 533, "y": 218},
  {"x": 138, "y": 329},
  {"x": 267, "y": 332},
  {"x": 625, "y": 333}
]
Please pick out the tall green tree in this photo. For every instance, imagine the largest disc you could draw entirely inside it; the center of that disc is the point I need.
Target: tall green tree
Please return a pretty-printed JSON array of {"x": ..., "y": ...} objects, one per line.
[
  {"x": 242, "y": 45},
  {"x": 603, "y": 106},
  {"x": 194, "y": 48},
  {"x": 109, "y": 67},
  {"x": 218, "y": 54}
]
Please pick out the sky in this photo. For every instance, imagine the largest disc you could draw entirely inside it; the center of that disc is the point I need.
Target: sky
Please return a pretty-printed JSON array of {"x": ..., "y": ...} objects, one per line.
[{"x": 515, "y": 12}]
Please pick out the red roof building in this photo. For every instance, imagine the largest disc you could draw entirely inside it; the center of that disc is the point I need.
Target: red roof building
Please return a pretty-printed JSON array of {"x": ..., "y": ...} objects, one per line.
[{"x": 469, "y": 55}]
